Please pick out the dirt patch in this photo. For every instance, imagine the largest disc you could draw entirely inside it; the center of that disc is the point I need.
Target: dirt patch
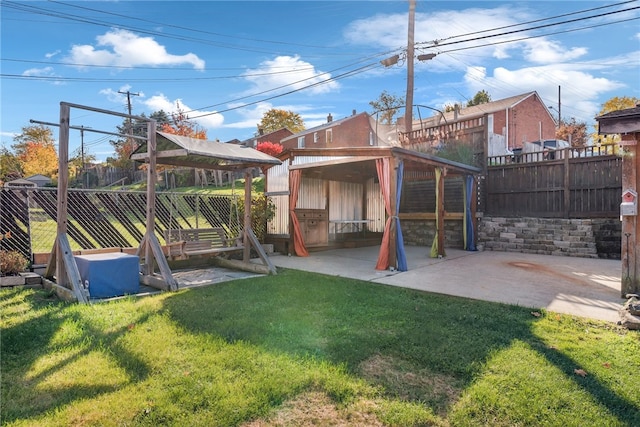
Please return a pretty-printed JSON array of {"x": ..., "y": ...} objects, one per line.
[
  {"x": 316, "y": 409},
  {"x": 541, "y": 269},
  {"x": 405, "y": 381}
]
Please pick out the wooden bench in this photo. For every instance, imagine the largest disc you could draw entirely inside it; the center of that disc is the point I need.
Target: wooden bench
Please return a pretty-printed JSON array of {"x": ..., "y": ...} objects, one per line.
[{"x": 183, "y": 243}]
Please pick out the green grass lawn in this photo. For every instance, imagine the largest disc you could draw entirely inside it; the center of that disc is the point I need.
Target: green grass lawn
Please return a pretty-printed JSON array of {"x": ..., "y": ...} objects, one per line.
[{"x": 306, "y": 349}]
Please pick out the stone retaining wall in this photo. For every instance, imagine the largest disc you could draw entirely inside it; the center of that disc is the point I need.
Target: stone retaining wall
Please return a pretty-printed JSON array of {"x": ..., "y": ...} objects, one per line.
[{"x": 588, "y": 238}]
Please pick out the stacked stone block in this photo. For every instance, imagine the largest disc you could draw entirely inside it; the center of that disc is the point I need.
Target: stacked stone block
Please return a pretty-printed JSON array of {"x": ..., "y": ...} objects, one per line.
[{"x": 568, "y": 237}]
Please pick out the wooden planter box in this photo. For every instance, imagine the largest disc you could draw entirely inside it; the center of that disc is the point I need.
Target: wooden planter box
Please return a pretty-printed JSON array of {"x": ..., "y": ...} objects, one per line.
[{"x": 12, "y": 280}]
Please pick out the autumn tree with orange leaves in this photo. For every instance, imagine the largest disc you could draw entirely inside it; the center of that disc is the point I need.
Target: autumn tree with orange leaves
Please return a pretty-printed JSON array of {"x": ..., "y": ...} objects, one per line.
[
  {"x": 181, "y": 125},
  {"x": 36, "y": 151}
]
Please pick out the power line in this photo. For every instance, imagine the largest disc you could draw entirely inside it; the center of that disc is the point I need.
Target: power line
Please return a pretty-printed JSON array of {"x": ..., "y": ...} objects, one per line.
[
  {"x": 535, "y": 28},
  {"x": 436, "y": 42}
]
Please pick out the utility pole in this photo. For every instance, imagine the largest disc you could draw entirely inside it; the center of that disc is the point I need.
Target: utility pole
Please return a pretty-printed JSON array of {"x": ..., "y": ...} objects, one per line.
[
  {"x": 559, "y": 108},
  {"x": 84, "y": 166},
  {"x": 408, "y": 113},
  {"x": 130, "y": 128}
]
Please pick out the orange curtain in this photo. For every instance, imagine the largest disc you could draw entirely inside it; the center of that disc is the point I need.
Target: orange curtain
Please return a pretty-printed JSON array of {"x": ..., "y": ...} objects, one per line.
[
  {"x": 384, "y": 176},
  {"x": 294, "y": 185}
]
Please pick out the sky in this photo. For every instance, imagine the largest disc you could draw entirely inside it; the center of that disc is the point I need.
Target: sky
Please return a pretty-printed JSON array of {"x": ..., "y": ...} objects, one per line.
[{"x": 225, "y": 63}]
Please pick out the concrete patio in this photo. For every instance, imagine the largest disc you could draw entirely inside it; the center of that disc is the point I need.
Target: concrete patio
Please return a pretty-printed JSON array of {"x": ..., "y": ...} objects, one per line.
[{"x": 578, "y": 286}]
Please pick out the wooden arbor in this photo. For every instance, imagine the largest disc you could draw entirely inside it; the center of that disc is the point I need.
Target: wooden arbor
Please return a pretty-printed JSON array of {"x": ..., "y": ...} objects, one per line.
[
  {"x": 626, "y": 123},
  {"x": 196, "y": 153}
]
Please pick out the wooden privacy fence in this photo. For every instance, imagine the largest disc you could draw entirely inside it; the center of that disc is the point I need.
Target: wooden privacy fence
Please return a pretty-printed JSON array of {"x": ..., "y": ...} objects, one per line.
[
  {"x": 568, "y": 183},
  {"x": 104, "y": 219}
]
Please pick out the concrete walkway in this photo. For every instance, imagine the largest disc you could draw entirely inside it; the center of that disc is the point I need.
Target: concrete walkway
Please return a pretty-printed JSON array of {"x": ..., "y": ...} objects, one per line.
[{"x": 578, "y": 286}]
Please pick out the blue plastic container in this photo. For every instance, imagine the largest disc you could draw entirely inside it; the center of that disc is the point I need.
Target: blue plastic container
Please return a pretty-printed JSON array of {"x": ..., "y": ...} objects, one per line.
[{"x": 110, "y": 274}]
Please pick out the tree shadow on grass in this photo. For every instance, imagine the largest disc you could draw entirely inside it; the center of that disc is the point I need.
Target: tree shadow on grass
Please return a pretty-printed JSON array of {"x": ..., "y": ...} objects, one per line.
[
  {"x": 25, "y": 344},
  {"x": 369, "y": 328}
]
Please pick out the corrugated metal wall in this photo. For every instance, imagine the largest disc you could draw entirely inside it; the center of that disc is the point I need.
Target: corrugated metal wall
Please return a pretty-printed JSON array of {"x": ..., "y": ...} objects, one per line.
[
  {"x": 280, "y": 222},
  {"x": 278, "y": 178},
  {"x": 375, "y": 206},
  {"x": 312, "y": 194},
  {"x": 345, "y": 199}
]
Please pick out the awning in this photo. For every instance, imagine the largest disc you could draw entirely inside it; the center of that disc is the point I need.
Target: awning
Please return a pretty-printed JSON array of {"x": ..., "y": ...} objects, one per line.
[{"x": 184, "y": 151}]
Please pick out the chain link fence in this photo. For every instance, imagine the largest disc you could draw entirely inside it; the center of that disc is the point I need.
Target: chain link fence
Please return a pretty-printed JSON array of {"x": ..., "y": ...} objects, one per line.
[{"x": 103, "y": 219}]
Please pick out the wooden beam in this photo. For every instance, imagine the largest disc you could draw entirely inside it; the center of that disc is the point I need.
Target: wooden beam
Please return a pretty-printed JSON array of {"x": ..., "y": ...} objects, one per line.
[
  {"x": 240, "y": 265},
  {"x": 441, "y": 212},
  {"x": 63, "y": 177},
  {"x": 261, "y": 253},
  {"x": 161, "y": 154},
  {"x": 630, "y": 252},
  {"x": 248, "y": 178},
  {"x": 153, "y": 254},
  {"x": 73, "y": 280}
]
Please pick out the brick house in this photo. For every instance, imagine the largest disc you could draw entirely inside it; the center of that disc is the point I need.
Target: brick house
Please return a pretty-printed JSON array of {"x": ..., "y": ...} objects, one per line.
[
  {"x": 357, "y": 130},
  {"x": 496, "y": 127},
  {"x": 275, "y": 137}
]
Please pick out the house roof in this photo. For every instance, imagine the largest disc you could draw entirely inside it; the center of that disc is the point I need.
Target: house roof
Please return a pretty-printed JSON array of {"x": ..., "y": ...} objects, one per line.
[
  {"x": 620, "y": 121},
  {"x": 326, "y": 125},
  {"x": 475, "y": 111},
  {"x": 627, "y": 112},
  {"x": 38, "y": 177},
  {"x": 180, "y": 150}
]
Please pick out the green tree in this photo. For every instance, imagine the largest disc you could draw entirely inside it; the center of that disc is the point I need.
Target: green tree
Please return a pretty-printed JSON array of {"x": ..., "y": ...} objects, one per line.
[
  {"x": 451, "y": 107},
  {"x": 574, "y": 131},
  {"x": 613, "y": 104},
  {"x": 124, "y": 146},
  {"x": 10, "y": 167},
  {"x": 387, "y": 105},
  {"x": 481, "y": 97},
  {"x": 161, "y": 118},
  {"x": 181, "y": 125},
  {"x": 275, "y": 119},
  {"x": 35, "y": 149}
]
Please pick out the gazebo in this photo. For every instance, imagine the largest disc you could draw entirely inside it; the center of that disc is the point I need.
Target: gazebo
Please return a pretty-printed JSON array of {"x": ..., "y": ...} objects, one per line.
[{"x": 362, "y": 187}]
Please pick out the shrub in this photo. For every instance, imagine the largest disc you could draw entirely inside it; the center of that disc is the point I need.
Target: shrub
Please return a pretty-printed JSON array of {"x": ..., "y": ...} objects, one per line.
[{"x": 12, "y": 263}]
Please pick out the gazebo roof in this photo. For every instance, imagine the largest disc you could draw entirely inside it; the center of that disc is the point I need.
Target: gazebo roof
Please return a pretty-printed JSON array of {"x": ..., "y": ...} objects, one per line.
[
  {"x": 184, "y": 151},
  {"x": 357, "y": 164}
]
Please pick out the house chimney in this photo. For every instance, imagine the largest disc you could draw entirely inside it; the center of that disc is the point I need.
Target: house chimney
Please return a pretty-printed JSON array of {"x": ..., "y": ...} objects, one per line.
[
  {"x": 329, "y": 118},
  {"x": 353, "y": 112}
]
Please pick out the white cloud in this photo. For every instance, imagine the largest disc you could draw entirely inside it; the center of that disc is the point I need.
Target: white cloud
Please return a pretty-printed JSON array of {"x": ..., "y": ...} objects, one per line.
[
  {"x": 51, "y": 54},
  {"x": 120, "y": 96},
  {"x": 287, "y": 73},
  {"x": 545, "y": 51},
  {"x": 389, "y": 31},
  {"x": 39, "y": 72},
  {"x": 125, "y": 49},
  {"x": 578, "y": 102}
]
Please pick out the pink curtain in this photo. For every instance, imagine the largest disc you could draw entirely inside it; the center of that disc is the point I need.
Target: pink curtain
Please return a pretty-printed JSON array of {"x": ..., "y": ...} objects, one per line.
[
  {"x": 294, "y": 185},
  {"x": 384, "y": 176}
]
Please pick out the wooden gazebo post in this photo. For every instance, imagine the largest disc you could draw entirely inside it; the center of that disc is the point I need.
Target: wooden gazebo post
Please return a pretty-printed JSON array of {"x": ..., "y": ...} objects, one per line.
[
  {"x": 248, "y": 178},
  {"x": 150, "y": 245},
  {"x": 393, "y": 183},
  {"x": 67, "y": 274}
]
